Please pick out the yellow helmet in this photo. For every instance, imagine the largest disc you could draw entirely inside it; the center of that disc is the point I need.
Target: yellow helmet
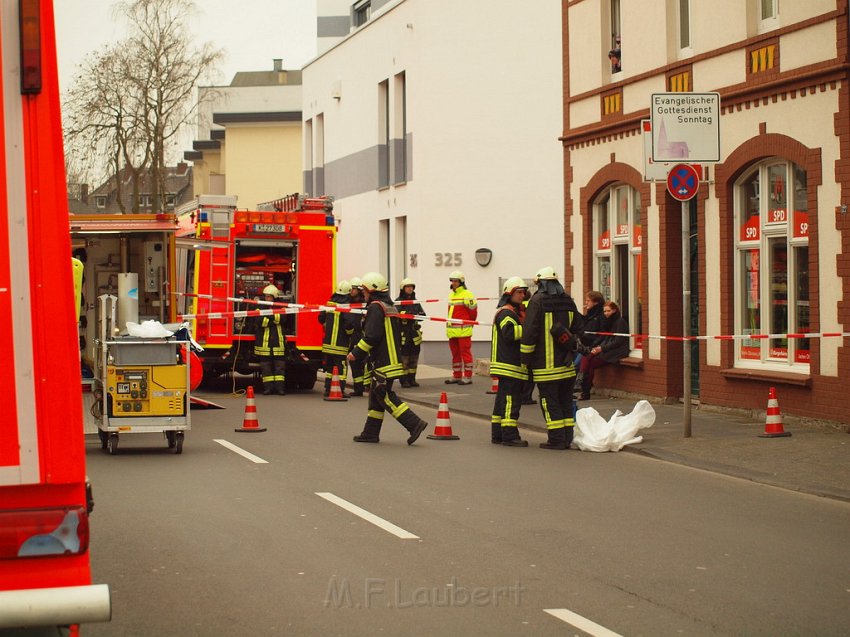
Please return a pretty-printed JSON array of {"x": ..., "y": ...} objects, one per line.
[
  {"x": 546, "y": 273},
  {"x": 513, "y": 283},
  {"x": 343, "y": 287},
  {"x": 406, "y": 282},
  {"x": 271, "y": 290},
  {"x": 375, "y": 282},
  {"x": 457, "y": 274}
]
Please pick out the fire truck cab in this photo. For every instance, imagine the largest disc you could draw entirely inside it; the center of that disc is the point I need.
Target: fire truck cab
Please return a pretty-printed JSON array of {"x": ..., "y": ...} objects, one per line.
[
  {"x": 225, "y": 255},
  {"x": 45, "y": 502}
]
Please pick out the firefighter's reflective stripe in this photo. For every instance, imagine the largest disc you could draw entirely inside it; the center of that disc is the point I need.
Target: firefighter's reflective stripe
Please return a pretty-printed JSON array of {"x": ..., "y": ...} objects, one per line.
[{"x": 19, "y": 463}]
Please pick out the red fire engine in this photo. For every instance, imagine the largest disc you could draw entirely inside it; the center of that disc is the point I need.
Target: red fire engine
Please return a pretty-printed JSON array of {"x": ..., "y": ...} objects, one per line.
[
  {"x": 45, "y": 577},
  {"x": 225, "y": 255}
]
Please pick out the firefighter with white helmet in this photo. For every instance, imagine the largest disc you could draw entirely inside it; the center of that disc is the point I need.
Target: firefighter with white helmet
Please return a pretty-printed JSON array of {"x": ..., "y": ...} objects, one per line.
[
  {"x": 380, "y": 342},
  {"x": 548, "y": 345},
  {"x": 462, "y": 306},
  {"x": 505, "y": 364},
  {"x": 270, "y": 346},
  {"x": 361, "y": 378},
  {"x": 411, "y": 331},
  {"x": 339, "y": 326}
]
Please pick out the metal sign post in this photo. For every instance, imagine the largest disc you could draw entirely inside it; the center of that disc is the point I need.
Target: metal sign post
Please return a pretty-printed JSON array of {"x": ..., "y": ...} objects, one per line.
[{"x": 686, "y": 316}]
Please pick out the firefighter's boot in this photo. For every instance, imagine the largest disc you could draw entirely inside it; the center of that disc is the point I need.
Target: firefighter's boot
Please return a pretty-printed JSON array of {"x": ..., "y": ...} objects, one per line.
[
  {"x": 411, "y": 379},
  {"x": 510, "y": 437},
  {"x": 358, "y": 389},
  {"x": 557, "y": 439},
  {"x": 414, "y": 424},
  {"x": 280, "y": 387},
  {"x": 371, "y": 431},
  {"x": 327, "y": 385}
]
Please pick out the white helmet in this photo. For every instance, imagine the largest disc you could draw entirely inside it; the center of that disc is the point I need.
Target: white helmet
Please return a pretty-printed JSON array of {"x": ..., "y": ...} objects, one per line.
[
  {"x": 457, "y": 274},
  {"x": 513, "y": 283},
  {"x": 406, "y": 282},
  {"x": 271, "y": 290},
  {"x": 375, "y": 282},
  {"x": 343, "y": 287},
  {"x": 356, "y": 282},
  {"x": 546, "y": 274}
]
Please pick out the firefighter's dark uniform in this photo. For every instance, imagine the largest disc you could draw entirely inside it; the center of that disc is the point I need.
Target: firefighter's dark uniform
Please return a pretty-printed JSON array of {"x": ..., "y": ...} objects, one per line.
[
  {"x": 360, "y": 374},
  {"x": 506, "y": 365},
  {"x": 381, "y": 342},
  {"x": 339, "y": 326},
  {"x": 411, "y": 338},
  {"x": 549, "y": 362},
  {"x": 270, "y": 350}
]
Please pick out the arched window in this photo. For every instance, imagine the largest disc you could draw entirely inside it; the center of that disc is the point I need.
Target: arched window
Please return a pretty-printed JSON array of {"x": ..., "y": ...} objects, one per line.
[
  {"x": 772, "y": 265},
  {"x": 617, "y": 254}
]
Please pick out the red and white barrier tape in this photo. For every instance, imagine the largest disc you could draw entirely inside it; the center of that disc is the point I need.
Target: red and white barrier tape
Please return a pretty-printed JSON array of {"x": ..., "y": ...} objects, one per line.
[{"x": 358, "y": 308}]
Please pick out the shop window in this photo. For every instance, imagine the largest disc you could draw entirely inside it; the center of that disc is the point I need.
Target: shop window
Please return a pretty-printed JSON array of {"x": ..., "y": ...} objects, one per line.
[
  {"x": 618, "y": 254},
  {"x": 772, "y": 266}
]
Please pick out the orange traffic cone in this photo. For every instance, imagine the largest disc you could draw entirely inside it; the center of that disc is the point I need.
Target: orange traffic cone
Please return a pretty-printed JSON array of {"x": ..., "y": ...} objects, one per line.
[
  {"x": 250, "y": 423},
  {"x": 443, "y": 428},
  {"x": 336, "y": 392},
  {"x": 773, "y": 420},
  {"x": 494, "y": 388}
]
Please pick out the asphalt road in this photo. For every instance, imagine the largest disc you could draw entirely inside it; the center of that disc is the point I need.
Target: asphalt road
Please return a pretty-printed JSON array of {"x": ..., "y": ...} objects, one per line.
[{"x": 212, "y": 543}]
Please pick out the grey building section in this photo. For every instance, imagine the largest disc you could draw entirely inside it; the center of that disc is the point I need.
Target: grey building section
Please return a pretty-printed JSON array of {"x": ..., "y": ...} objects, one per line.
[
  {"x": 336, "y": 26},
  {"x": 307, "y": 186},
  {"x": 319, "y": 181},
  {"x": 358, "y": 173},
  {"x": 398, "y": 158}
]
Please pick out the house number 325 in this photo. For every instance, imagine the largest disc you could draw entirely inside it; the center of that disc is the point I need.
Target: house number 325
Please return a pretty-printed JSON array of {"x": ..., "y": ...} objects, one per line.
[{"x": 448, "y": 259}]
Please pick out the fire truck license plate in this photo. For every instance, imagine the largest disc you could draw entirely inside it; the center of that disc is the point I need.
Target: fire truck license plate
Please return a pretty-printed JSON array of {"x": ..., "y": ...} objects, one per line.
[{"x": 270, "y": 227}]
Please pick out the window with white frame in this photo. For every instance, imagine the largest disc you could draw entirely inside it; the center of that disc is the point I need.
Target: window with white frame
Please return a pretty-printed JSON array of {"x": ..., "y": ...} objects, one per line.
[
  {"x": 684, "y": 24},
  {"x": 768, "y": 15},
  {"x": 615, "y": 54},
  {"x": 618, "y": 254},
  {"x": 362, "y": 11},
  {"x": 772, "y": 266},
  {"x": 100, "y": 201}
]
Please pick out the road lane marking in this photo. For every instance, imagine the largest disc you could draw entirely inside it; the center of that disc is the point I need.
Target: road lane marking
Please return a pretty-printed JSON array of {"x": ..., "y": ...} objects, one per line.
[
  {"x": 369, "y": 517},
  {"x": 577, "y": 621},
  {"x": 241, "y": 452}
]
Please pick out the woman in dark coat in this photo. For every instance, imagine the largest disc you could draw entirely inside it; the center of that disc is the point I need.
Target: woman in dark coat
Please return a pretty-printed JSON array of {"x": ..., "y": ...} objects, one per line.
[{"x": 607, "y": 352}]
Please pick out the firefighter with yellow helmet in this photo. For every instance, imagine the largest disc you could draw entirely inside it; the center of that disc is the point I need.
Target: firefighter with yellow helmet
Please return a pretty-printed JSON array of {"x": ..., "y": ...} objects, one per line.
[
  {"x": 411, "y": 331},
  {"x": 270, "y": 346},
  {"x": 380, "y": 343},
  {"x": 338, "y": 326},
  {"x": 548, "y": 346},
  {"x": 505, "y": 364},
  {"x": 361, "y": 377},
  {"x": 462, "y": 305}
]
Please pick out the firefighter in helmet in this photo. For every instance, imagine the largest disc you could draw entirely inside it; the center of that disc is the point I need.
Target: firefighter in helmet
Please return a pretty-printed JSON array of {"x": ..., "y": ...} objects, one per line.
[
  {"x": 505, "y": 364},
  {"x": 549, "y": 342},
  {"x": 270, "y": 346},
  {"x": 380, "y": 342},
  {"x": 359, "y": 374},
  {"x": 339, "y": 326},
  {"x": 462, "y": 305},
  {"x": 411, "y": 331}
]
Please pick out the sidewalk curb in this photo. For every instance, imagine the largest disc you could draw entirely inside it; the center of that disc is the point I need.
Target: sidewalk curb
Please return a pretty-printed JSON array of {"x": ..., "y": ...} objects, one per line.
[{"x": 757, "y": 477}]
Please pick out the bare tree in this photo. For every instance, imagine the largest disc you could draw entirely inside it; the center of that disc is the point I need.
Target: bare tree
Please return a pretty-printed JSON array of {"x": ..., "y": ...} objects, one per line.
[{"x": 129, "y": 102}]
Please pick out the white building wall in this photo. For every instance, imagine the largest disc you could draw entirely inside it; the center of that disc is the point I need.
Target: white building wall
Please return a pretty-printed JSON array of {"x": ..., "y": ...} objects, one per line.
[{"x": 484, "y": 96}]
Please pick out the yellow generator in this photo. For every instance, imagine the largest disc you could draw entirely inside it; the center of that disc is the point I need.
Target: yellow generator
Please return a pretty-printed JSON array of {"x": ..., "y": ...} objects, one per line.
[{"x": 143, "y": 387}]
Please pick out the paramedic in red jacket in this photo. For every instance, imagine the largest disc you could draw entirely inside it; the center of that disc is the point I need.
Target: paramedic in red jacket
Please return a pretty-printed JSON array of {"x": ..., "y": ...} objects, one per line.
[{"x": 462, "y": 305}]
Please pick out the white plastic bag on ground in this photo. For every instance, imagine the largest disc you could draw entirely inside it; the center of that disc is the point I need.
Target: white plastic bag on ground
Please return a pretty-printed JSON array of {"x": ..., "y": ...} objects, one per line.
[
  {"x": 592, "y": 433},
  {"x": 147, "y": 329}
]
